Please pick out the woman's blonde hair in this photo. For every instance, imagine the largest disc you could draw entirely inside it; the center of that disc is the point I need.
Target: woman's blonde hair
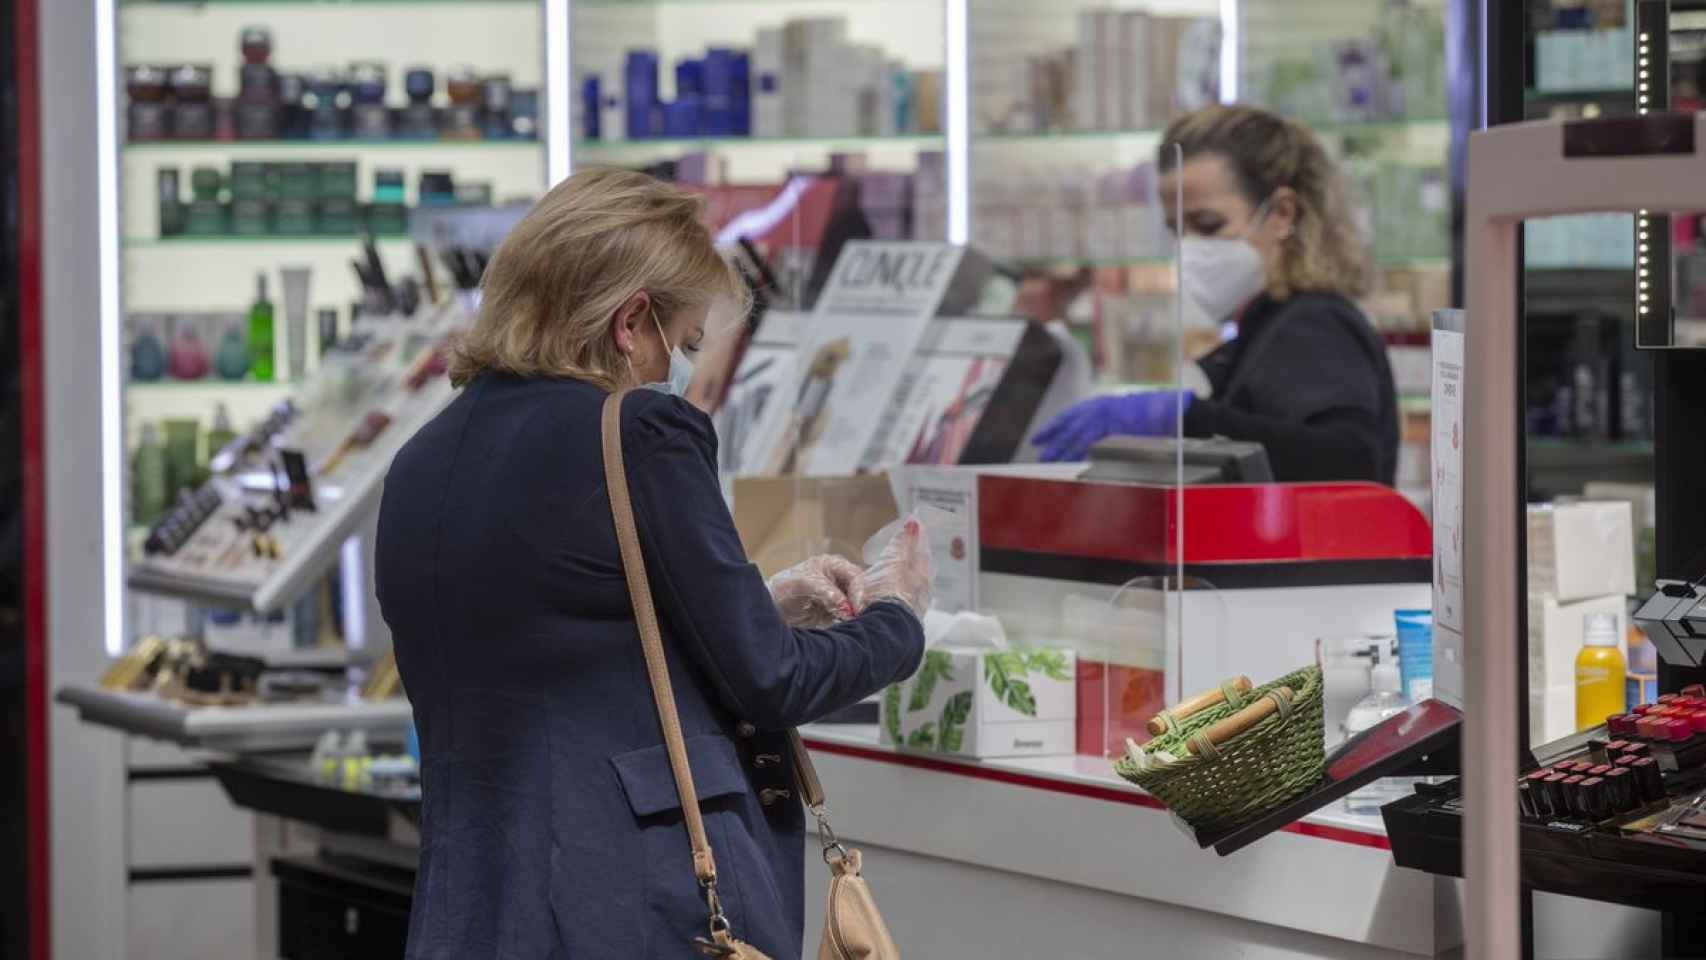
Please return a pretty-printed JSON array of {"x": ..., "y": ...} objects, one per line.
[
  {"x": 592, "y": 242},
  {"x": 1266, "y": 152}
]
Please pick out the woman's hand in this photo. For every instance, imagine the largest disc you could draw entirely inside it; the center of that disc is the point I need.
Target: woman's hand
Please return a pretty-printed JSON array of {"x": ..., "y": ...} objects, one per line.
[
  {"x": 901, "y": 573},
  {"x": 1073, "y": 431},
  {"x": 815, "y": 593}
]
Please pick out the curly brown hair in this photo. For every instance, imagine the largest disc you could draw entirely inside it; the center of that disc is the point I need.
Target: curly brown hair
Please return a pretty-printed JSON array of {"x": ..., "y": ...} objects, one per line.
[{"x": 1325, "y": 253}]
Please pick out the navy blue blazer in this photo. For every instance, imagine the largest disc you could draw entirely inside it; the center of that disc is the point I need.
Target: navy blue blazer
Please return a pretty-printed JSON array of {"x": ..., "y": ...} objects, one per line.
[{"x": 550, "y": 824}]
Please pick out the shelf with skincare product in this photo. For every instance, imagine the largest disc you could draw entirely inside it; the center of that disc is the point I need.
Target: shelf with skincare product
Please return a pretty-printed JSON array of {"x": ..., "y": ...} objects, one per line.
[{"x": 224, "y": 279}]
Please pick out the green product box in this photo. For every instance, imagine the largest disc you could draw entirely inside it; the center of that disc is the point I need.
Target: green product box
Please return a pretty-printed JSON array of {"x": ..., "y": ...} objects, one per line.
[
  {"x": 978, "y": 702},
  {"x": 206, "y": 218},
  {"x": 251, "y": 218},
  {"x": 337, "y": 180},
  {"x": 251, "y": 180},
  {"x": 294, "y": 218},
  {"x": 296, "y": 181},
  {"x": 388, "y": 218},
  {"x": 338, "y": 217}
]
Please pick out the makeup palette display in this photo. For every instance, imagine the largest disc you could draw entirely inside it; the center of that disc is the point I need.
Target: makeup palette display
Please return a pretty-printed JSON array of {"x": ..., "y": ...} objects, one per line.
[
  {"x": 1616, "y": 813},
  {"x": 283, "y": 497}
]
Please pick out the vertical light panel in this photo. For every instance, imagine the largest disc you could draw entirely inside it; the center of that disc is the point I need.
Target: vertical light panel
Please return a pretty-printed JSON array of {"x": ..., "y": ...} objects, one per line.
[
  {"x": 112, "y": 464},
  {"x": 559, "y": 91},
  {"x": 1229, "y": 61},
  {"x": 959, "y": 122},
  {"x": 353, "y": 588}
]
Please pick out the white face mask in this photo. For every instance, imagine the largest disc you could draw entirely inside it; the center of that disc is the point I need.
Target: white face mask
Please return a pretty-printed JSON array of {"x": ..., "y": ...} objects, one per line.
[
  {"x": 680, "y": 368},
  {"x": 1222, "y": 274}
]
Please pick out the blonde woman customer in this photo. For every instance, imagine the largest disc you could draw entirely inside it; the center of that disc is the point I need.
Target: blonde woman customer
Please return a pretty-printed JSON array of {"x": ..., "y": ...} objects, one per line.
[
  {"x": 550, "y": 822},
  {"x": 1269, "y": 247}
]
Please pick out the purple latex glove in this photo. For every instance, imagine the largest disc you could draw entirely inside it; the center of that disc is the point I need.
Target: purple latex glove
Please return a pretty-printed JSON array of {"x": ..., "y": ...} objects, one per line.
[{"x": 1073, "y": 431}]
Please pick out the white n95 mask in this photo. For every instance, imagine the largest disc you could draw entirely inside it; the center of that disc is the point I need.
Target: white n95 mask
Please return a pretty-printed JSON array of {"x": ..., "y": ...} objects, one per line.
[{"x": 1221, "y": 274}]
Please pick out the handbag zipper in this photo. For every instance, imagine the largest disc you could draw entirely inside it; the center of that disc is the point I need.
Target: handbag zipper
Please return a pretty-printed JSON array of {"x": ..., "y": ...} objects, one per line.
[{"x": 834, "y": 920}]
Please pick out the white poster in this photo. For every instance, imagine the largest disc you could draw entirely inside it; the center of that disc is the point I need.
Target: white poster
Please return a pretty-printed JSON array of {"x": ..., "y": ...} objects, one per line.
[
  {"x": 942, "y": 396},
  {"x": 853, "y": 352},
  {"x": 1447, "y": 466},
  {"x": 952, "y": 527}
]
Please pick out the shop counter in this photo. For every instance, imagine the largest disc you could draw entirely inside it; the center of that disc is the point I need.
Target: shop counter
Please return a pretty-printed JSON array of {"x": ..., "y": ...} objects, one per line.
[
  {"x": 259, "y": 726},
  {"x": 1070, "y": 822}
]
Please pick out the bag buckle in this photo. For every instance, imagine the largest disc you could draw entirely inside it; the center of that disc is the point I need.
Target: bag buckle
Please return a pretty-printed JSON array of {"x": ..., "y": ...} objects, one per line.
[
  {"x": 832, "y": 848},
  {"x": 718, "y": 924}
]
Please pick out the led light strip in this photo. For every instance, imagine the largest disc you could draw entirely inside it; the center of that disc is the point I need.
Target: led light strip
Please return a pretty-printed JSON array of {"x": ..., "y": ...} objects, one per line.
[
  {"x": 1643, "y": 226},
  {"x": 559, "y": 88},
  {"x": 1229, "y": 38},
  {"x": 111, "y": 326},
  {"x": 958, "y": 142}
]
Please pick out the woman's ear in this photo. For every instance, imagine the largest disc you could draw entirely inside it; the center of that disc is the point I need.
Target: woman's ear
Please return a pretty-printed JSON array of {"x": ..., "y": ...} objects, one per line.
[
  {"x": 1282, "y": 213},
  {"x": 630, "y": 317}
]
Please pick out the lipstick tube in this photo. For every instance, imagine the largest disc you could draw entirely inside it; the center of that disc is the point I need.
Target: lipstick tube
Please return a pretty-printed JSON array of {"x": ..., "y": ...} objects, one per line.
[
  {"x": 1536, "y": 795},
  {"x": 1638, "y": 750},
  {"x": 1642, "y": 709},
  {"x": 1599, "y": 770},
  {"x": 1526, "y": 796},
  {"x": 1620, "y": 789},
  {"x": 1697, "y": 720},
  {"x": 1695, "y": 690},
  {"x": 1592, "y": 792},
  {"x": 1652, "y": 727},
  {"x": 1647, "y": 777},
  {"x": 1555, "y": 800},
  {"x": 1614, "y": 749},
  {"x": 1667, "y": 697},
  {"x": 1572, "y": 791},
  {"x": 1678, "y": 729},
  {"x": 1622, "y": 724}
]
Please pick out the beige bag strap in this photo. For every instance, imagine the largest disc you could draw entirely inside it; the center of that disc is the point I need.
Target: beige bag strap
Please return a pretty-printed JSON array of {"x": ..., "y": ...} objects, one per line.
[
  {"x": 651, "y": 640},
  {"x": 639, "y": 588}
]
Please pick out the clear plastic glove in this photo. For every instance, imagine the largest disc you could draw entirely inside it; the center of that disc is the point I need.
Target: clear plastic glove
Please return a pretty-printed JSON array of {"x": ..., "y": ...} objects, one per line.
[
  {"x": 1072, "y": 432},
  {"x": 815, "y": 593},
  {"x": 901, "y": 572}
]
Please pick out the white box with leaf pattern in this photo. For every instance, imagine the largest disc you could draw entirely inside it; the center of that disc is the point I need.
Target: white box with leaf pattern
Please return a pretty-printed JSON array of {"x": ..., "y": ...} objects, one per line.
[{"x": 973, "y": 702}]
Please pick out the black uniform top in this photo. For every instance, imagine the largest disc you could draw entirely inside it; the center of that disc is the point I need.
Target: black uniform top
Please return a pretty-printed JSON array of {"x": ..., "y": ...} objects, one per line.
[{"x": 1308, "y": 379}]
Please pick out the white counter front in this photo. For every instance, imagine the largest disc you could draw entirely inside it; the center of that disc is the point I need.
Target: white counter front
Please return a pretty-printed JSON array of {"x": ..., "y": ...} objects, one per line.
[{"x": 1057, "y": 825}]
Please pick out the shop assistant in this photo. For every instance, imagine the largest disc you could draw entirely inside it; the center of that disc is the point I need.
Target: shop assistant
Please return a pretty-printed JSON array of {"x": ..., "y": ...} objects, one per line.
[{"x": 1267, "y": 244}]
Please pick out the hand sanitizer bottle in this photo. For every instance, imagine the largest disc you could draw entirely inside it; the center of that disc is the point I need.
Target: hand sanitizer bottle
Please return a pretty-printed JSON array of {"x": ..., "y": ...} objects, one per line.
[{"x": 1384, "y": 700}]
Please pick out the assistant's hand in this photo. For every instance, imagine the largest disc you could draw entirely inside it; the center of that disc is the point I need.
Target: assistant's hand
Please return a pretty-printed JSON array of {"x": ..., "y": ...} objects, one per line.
[
  {"x": 815, "y": 593},
  {"x": 1073, "y": 431},
  {"x": 902, "y": 572}
]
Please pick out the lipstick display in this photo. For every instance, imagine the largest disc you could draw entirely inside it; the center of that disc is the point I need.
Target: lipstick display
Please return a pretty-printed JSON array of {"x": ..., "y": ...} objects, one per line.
[
  {"x": 1620, "y": 789},
  {"x": 1648, "y": 779}
]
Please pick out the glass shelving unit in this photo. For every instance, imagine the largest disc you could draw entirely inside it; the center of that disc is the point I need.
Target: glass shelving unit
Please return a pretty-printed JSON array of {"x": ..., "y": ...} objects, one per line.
[{"x": 241, "y": 154}]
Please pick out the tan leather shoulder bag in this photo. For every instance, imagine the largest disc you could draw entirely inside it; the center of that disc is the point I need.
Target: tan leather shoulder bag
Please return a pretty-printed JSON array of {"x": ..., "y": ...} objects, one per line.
[{"x": 853, "y": 929}]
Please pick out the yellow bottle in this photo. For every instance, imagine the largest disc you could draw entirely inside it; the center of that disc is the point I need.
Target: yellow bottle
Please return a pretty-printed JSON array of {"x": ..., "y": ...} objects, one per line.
[{"x": 1599, "y": 673}]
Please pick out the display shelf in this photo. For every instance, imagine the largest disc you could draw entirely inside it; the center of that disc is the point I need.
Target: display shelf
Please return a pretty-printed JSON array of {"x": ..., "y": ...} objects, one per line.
[
  {"x": 259, "y": 726},
  {"x": 317, "y": 3},
  {"x": 1394, "y": 263},
  {"x": 224, "y": 272},
  {"x": 921, "y": 140},
  {"x": 1427, "y": 124},
  {"x": 350, "y": 240},
  {"x": 317, "y": 147}
]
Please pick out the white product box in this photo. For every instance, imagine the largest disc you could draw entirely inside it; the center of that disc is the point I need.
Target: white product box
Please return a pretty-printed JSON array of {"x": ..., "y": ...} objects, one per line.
[
  {"x": 986, "y": 703},
  {"x": 1131, "y": 79},
  {"x": 1551, "y": 714},
  {"x": 1579, "y": 550},
  {"x": 1088, "y": 87},
  {"x": 768, "y": 118},
  {"x": 1555, "y": 633}
]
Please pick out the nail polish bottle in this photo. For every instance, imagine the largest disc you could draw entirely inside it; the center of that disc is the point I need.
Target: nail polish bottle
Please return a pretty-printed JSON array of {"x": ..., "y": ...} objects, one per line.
[
  {"x": 188, "y": 360},
  {"x": 147, "y": 354}
]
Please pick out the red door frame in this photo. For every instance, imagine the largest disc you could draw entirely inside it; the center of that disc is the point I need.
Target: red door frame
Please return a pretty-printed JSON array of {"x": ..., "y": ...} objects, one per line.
[{"x": 30, "y": 251}]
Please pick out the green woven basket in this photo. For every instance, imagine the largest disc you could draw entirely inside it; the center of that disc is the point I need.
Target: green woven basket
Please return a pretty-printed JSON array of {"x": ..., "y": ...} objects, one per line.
[{"x": 1252, "y": 773}]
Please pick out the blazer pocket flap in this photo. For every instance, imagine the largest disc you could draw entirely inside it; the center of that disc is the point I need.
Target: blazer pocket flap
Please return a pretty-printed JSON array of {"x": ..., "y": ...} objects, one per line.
[{"x": 650, "y": 785}]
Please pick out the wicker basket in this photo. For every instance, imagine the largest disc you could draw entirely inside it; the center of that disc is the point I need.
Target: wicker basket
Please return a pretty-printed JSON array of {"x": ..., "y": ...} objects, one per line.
[{"x": 1248, "y": 775}]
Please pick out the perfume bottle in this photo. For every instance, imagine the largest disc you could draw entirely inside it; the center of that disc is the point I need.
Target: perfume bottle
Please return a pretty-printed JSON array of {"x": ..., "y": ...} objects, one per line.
[
  {"x": 147, "y": 355},
  {"x": 232, "y": 361},
  {"x": 260, "y": 332},
  {"x": 148, "y": 499},
  {"x": 221, "y": 433},
  {"x": 188, "y": 359}
]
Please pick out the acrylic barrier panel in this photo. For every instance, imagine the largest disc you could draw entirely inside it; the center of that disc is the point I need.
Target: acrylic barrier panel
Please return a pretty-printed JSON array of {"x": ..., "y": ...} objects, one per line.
[{"x": 1588, "y": 434}]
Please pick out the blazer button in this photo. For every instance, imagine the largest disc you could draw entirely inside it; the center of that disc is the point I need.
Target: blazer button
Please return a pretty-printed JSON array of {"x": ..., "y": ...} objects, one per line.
[
  {"x": 746, "y": 729},
  {"x": 769, "y": 796}
]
